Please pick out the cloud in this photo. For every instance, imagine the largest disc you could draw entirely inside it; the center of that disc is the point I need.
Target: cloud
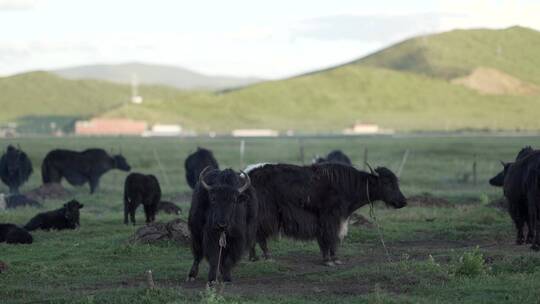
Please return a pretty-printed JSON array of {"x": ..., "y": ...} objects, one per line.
[{"x": 17, "y": 5}]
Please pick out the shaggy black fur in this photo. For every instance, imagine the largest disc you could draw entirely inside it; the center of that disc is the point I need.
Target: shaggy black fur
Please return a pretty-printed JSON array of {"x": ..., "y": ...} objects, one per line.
[
  {"x": 141, "y": 189},
  {"x": 15, "y": 168},
  {"x": 169, "y": 208},
  {"x": 12, "y": 234},
  {"x": 79, "y": 168},
  {"x": 521, "y": 189},
  {"x": 336, "y": 156},
  {"x": 315, "y": 202},
  {"x": 66, "y": 217},
  {"x": 196, "y": 162},
  {"x": 223, "y": 208}
]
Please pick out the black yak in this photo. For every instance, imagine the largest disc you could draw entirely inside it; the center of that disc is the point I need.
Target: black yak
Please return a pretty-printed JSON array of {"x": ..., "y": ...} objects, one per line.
[
  {"x": 15, "y": 168},
  {"x": 169, "y": 208},
  {"x": 521, "y": 189},
  {"x": 498, "y": 180},
  {"x": 66, "y": 217},
  {"x": 141, "y": 189},
  {"x": 79, "y": 168},
  {"x": 315, "y": 202},
  {"x": 12, "y": 234},
  {"x": 196, "y": 162},
  {"x": 336, "y": 156},
  {"x": 223, "y": 203}
]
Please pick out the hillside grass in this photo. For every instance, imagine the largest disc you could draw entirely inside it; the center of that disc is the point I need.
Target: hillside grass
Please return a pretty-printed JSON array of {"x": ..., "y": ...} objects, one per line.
[{"x": 96, "y": 264}]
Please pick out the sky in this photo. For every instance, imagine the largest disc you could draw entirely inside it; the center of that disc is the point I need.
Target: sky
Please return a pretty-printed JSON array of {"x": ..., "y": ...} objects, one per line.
[{"x": 268, "y": 39}]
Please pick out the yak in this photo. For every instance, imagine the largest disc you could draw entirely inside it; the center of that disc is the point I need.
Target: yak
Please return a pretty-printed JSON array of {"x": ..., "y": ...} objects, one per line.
[
  {"x": 79, "y": 168},
  {"x": 66, "y": 217},
  {"x": 169, "y": 208},
  {"x": 498, "y": 180},
  {"x": 336, "y": 156},
  {"x": 315, "y": 202},
  {"x": 521, "y": 189},
  {"x": 223, "y": 207},
  {"x": 16, "y": 201},
  {"x": 196, "y": 162},
  {"x": 141, "y": 189},
  {"x": 15, "y": 168},
  {"x": 12, "y": 234}
]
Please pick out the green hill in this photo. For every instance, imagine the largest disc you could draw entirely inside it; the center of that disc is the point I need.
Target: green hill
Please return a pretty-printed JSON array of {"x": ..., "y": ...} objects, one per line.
[
  {"x": 438, "y": 82},
  {"x": 456, "y": 53}
]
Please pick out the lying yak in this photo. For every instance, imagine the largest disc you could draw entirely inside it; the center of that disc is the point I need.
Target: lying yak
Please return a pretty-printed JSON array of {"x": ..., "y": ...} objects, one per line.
[
  {"x": 498, "y": 180},
  {"x": 15, "y": 168},
  {"x": 79, "y": 168},
  {"x": 66, "y": 217},
  {"x": 196, "y": 162},
  {"x": 223, "y": 203},
  {"x": 315, "y": 202},
  {"x": 169, "y": 208},
  {"x": 522, "y": 190},
  {"x": 141, "y": 189},
  {"x": 336, "y": 156},
  {"x": 12, "y": 234}
]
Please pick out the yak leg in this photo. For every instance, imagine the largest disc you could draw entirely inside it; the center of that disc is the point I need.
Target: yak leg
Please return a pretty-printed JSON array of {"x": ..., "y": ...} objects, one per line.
[
  {"x": 328, "y": 241},
  {"x": 532, "y": 204},
  {"x": 212, "y": 263},
  {"x": 324, "y": 251},
  {"x": 519, "y": 221},
  {"x": 132, "y": 214},
  {"x": 530, "y": 233},
  {"x": 197, "y": 250},
  {"x": 265, "y": 251},
  {"x": 148, "y": 213},
  {"x": 94, "y": 184},
  {"x": 226, "y": 268}
]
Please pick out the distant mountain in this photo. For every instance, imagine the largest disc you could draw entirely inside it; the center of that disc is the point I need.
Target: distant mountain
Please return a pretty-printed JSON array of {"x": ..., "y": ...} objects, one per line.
[{"x": 155, "y": 75}]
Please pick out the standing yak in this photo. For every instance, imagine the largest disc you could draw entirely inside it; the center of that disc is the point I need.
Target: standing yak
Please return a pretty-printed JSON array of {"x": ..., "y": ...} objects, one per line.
[
  {"x": 223, "y": 204},
  {"x": 336, "y": 156},
  {"x": 498, "y": 180},
  {"x": 195, "y": 164},
  {"x": 315, "y": 202},
  {"x": 522, "y": 190},
  {"x": 79, "y": 168},
  {"x": 141, "y": 189},
  {"x": 15, "y": 168}
]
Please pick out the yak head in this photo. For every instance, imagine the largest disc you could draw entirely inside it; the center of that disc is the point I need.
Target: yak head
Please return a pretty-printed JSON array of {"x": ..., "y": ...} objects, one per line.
[
  {"x": 13, "y": 155},
  {"x": 225, "y": 190},
  {"x": 121, "y": 163},
  {"x": 498, "y": 180},
  {"x": 388, "y": 187},
  {"x": 72, "y": 211}
]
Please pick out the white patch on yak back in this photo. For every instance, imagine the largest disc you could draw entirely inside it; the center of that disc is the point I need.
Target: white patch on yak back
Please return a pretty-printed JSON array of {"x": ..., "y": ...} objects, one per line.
[
  {"x": 343, "y": 229},
  {"x": 252, "y": 167}
]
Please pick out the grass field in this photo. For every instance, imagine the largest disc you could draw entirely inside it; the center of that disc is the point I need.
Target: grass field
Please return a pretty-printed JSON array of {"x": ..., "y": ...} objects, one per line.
[{"x": 432, "y": 249}]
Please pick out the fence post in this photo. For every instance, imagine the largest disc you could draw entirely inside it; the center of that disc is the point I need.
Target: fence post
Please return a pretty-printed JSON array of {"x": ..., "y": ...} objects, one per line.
[
  {"x": 301, "y": 146},
  {"x": 242, "y": 152},
  {"x": 403, "y": 161},
  {"x": 474, "y": 170},
  {"x": 365, "y": 158},
  {"x": 163, "y": 172}
]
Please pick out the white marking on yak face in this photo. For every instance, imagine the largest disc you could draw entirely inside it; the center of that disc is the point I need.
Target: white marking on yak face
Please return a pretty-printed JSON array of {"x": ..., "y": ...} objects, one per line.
[{"x": 343, "y": 229}]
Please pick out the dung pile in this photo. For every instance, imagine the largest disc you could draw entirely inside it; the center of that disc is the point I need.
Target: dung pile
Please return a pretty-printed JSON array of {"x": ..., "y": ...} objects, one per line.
[
  {"x": 427, "y": 200},
  {"x": 175, "y": 230}
]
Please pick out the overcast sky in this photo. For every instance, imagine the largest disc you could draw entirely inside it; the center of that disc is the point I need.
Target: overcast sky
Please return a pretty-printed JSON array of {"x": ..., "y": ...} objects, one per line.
[{"x": 270, "y": 39}]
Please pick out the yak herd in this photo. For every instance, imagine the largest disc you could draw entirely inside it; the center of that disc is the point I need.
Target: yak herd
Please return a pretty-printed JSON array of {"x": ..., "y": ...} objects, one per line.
[{"x": 232, "y": 212}]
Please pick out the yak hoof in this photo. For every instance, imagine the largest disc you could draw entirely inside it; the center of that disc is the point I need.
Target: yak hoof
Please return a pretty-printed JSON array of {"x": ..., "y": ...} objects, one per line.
[
  {"x": 329, "y": 263},
  {"x": 211, "y": 284},
  {"x": 254, "y": 258},
  {"x": 190, "y": 279},
  {"x": 338, "y": 262}
]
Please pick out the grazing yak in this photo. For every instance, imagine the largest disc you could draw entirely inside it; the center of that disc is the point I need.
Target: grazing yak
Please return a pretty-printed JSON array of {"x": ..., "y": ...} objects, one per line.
[
  {"x": 79, "y": 168},
  {"x": 336, "y": 156},
  {"x": 66, "y": 217},
  {"x": 141, "y": 189},
  {"x": 196, "y": 162},
  {"x": 498, "y": 180},
  {"x": 522, "y": 190},
  {"x": 223, "y": 204},
  {"x": 169, "y": 208},
  {"x": 15, "y": 168},
  {"x": 315, "y": 202},
  {"x": 12, "y": 234}
]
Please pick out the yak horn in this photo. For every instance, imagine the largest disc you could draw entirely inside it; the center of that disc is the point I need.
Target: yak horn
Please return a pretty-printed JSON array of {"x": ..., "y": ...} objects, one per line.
[
  {"x": 503, "y": 163},
  {"x": 371, "y": 170},
  {"x": 201, "y": 179},
  {"x": 246, "y": 184}
]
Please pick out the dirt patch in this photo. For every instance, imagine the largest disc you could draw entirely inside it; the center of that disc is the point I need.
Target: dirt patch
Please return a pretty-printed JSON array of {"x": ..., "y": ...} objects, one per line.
[
  {"x": 494, "y": 82},
  {"x": 499, "y": 203},
  {"x": 175, "y": 230},
  {"x": 48, "y": 191},
  {"x": 428, "y": 200}
]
